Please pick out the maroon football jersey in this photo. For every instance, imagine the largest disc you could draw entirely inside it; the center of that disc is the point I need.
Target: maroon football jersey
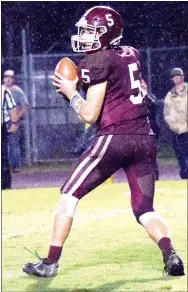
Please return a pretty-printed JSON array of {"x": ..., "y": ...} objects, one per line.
[{"x": 123, "y": 111}]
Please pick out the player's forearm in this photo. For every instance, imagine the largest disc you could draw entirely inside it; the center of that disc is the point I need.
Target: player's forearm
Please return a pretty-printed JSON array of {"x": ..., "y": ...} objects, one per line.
[
  {"x": 87, "y": 114},
  {"x": 85, "y": 108}
]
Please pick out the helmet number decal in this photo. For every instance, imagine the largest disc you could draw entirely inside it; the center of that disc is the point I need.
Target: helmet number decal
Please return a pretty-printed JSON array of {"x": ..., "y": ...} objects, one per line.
[
  {"x": 85, "y": 76},
  {"x": 135, "y": 99},
  {"x": 109, "y": 19}
]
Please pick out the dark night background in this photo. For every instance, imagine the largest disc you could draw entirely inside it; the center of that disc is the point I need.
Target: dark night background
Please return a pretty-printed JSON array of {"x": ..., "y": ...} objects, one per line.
[
  {"x": 147, "y": 24},
  {"x": 50, "y": 24}
]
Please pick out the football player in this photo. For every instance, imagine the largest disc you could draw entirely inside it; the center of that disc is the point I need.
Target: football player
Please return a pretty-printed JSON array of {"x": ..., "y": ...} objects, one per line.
[{"x": 111, "y": 77}]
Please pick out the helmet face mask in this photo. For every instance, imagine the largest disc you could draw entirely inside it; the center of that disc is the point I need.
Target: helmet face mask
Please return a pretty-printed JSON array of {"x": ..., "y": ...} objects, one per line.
[
  {"x": 99, "y": 28},
  {"x": 88, "y": 38}
]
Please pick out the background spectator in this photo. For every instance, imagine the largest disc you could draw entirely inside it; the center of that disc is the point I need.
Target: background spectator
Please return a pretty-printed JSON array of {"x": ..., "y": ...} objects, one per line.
[
  {"x": 84, "y": 141},
  {"x": 15, "y": 140},
  {"x": 175, "y": 115},
  {"x": 8, "y": 114},
  {"x": 152, "y": 104}
]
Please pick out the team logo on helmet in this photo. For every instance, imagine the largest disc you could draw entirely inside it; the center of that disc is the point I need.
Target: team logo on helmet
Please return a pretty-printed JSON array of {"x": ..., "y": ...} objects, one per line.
[{"x": 99, "y": 28}]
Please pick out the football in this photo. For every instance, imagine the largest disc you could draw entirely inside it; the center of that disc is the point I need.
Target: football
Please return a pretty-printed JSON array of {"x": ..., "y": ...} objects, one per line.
[{"x": 67, "y": 69}]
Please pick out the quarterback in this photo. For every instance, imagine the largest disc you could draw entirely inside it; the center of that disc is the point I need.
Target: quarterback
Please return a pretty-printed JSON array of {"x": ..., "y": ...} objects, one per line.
[{"x": 111, "y": 78}]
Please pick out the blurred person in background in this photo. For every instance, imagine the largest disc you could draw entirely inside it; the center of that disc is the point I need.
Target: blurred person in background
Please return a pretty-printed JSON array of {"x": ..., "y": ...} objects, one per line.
[
  {"x": 84, "y": 141},
  {"x": 22, "y": 106},
  {"x": 8, "y": 115},
  {"x": 175, "y": 115},
  {"x": 152, "y": 105}
]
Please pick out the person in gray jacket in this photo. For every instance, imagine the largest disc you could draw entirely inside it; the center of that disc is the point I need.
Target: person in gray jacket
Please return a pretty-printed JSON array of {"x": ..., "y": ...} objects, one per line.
[{"x": 175, "y": 115}]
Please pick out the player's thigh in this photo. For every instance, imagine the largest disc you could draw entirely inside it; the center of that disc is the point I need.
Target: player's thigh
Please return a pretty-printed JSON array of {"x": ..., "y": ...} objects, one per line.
[
  {"x": 141, "y": 177},
  {"x": 93, "y": 168}
]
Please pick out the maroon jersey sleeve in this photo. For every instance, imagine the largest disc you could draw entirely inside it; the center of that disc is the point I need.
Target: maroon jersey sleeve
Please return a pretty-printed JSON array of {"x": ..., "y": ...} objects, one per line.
[
  {"x": 136, "y": 53},
  {"x": 94, "y": 69},
  {"x": 123, "y": 111}
]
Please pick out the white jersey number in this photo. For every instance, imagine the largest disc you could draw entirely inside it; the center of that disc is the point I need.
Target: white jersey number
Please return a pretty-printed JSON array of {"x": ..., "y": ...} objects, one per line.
[
  {"x": 85, "y": 76},
  {"x": 136, "y": 99}
]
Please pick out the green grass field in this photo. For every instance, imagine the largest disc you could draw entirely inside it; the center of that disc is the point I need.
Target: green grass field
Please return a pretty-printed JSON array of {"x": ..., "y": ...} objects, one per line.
[{"x": 106, "y": 250}]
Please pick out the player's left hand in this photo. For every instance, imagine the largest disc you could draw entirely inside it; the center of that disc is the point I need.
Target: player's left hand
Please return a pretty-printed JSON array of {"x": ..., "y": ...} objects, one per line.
[{"x": 64, "y": 86}]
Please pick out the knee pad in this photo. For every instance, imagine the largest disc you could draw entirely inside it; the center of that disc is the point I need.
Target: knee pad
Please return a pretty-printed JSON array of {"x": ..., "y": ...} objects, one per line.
[
  {"x": 67, "y": 205},
  {"x": 141, "y": 211},
  {"x": 146, "y": 217}
]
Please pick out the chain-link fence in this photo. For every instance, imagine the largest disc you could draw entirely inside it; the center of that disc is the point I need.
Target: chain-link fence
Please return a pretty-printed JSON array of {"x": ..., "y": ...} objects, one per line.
[{"x": 52, "y": 126}]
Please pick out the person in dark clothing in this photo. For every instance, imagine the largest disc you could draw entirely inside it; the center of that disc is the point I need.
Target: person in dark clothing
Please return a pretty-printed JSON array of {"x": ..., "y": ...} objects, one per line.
[
  {"x": 84, "y": 141},
  {"x": 150, "y": 100},
  {"x": 8, "y": 115}
]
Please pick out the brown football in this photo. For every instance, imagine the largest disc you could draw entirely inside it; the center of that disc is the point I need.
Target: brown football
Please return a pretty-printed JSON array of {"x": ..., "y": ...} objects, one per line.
[{"x": 67, "y": 69}]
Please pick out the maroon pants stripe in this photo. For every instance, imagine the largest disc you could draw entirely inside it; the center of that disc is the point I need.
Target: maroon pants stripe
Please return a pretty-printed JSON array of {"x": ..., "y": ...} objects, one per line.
[
  {"x": 84, "y": 162},
  {"x": 136, "y": 154}
]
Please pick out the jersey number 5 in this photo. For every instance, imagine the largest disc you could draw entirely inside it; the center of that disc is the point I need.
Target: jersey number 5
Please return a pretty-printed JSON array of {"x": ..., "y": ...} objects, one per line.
[
  {"x": 109, "y": 19},
  {"x": 85, "y": 76},
  {"x": 136, "y": 99}
]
